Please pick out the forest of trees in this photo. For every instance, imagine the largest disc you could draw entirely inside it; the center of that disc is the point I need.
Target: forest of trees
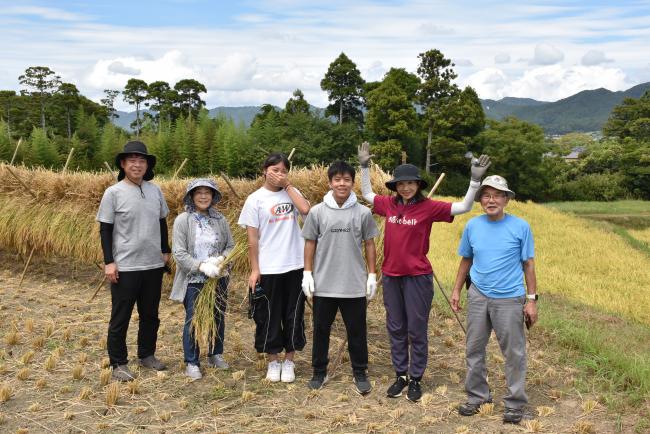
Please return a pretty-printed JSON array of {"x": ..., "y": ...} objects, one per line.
[{"x": 423, "y": 115}]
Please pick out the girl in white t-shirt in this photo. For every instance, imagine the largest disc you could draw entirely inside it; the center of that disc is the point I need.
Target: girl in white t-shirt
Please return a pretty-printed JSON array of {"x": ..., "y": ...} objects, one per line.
[{"x": 275, "y": 253}]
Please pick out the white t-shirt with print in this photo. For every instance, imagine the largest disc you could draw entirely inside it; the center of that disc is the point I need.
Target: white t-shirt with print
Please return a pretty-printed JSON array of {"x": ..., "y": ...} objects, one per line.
[{"x": 281, "y": 246}]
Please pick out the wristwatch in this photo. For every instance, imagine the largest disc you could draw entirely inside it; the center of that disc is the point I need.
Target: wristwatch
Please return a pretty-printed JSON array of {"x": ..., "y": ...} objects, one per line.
[{"x": 532, "y": 297}]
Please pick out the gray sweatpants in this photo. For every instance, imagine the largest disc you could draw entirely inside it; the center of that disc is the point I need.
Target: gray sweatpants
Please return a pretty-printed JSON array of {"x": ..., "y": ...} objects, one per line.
[
  {"x": 407, "y": 300},
  {"x": 505, "y": 316}
]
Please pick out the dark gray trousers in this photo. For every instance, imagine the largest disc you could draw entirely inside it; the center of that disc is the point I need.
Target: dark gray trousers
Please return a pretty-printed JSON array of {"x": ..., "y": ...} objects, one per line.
[
  {"x": 407, "y": 300},
  {"x": 505, "y": 316}
]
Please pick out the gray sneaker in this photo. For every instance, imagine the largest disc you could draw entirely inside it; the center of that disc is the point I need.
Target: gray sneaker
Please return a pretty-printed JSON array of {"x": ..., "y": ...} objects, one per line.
[
  {"x": 122, "y": 373},
  {"x": 193, "y": 371},
  {"x": 152, "y": 363},
  {"x": 217, "y": 361}
]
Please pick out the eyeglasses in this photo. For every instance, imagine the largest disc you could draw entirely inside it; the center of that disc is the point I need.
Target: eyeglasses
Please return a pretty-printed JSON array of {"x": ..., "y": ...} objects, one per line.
[{"x": 488, "y": 196}]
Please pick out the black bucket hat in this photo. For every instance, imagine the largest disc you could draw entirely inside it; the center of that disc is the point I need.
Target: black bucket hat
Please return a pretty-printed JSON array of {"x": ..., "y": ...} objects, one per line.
[
  {"x": 136, "y": 147},
  {"x": 406, "y": 172}
]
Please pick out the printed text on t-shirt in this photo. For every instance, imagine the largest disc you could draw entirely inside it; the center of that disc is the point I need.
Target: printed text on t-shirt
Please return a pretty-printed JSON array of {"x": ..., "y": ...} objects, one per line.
[{"x": 402, "y": 221}]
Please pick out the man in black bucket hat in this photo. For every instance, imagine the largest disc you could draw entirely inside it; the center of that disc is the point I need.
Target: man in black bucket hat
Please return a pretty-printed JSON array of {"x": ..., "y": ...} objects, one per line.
[{"x": 134, "y": 237}]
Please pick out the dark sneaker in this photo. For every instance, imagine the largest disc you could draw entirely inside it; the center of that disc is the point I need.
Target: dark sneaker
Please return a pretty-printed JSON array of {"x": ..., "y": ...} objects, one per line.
[
  {"x": 415, "y": 391},
  {"x": 469, "y": 409},
  {"x": 395, "y": 391},
  {"x": 362, "y": 385},
  {"x": 122, "y": 373},
  {"x": 317, "y": 381},
  {"x": 152, "y": 363},
  {"x": 513, "y": 415}
]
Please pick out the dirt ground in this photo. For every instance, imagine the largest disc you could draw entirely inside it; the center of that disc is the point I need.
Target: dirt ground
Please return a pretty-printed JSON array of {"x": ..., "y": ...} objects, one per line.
[{"x": 53, "y": 372}]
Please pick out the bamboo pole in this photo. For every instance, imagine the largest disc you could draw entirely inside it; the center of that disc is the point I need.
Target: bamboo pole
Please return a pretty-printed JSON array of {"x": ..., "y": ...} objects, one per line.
[
  {"x": 435, "y": 186},
  {"x": 29, "y": 190},
  {"x": 449, "y": 302},
  {"x": 291, "y": 154},
  {"x": 107, "y": 166},
  {"x": 16, "y": 151},
  {"x": 68, "y": 160},
  {"x": 22, "y": 276},
  {"x": 225, "y": 178},
  {"x": 179, "y": 169},
  {"x": 101, "y": 284}
]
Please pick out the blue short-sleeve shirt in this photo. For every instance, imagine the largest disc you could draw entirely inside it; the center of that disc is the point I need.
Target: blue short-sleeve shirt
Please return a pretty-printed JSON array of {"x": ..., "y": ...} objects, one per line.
[{"x": 498, "y": 250}]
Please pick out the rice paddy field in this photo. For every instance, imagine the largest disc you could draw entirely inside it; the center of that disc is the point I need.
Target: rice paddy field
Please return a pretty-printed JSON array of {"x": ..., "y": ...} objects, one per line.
[{"x": 54, "y": 374}]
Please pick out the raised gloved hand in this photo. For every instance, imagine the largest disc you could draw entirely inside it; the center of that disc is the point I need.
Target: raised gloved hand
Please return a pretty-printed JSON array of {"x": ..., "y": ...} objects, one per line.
[
  {"x": 480, "y": 166},
  {"x": 364, "y": 154},
  {"x": 209, "y": 269},
  {"x": 308, "y": 284},
  {"x": 371, "y": 286}
]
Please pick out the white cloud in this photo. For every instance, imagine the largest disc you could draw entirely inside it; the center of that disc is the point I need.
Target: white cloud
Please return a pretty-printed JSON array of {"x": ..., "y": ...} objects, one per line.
[
  {"x": 42, "y": 12},
  {"x": 502, "y": 58},
  {"x": 463, "y": 63},
  {"x": 120, "y": 68},
  {"x": 547, "y": 83},
  {"x": 594, "y": 57},
  {"x": 435, "y": 29},
  {"x": 114, "y": 73},
  {"x": 546, "y": 55},
  {"x": 488, "y": 83}
]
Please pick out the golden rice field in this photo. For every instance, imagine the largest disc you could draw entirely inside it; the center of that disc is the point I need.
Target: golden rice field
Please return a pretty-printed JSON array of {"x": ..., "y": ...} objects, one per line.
[
  {"x": 574, "y": 259},
  {"x": 641, "y": 234}
]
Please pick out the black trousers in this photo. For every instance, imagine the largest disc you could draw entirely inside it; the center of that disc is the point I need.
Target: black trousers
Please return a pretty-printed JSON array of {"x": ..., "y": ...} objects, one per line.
[
  {"x": 353, "y": 312},
  {"x": 141, "y": 288},
  {"x": 279, "y": 312}
]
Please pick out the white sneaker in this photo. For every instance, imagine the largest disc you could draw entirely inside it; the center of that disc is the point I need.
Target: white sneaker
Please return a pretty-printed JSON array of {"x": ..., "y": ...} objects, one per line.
[
  {"x": 274, "y": 370},
  {"x": 193, "y": 371},
  {"x": 287, "y": 375}
]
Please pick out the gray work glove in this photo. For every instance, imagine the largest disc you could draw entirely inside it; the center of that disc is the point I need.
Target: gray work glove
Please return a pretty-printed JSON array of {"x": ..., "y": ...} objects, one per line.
[
  {"x": 479, "y": 167},
  {"x": 364, "y": 154}
]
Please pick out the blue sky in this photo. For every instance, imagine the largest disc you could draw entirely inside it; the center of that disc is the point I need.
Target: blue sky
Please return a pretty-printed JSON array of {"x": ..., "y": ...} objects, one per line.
[{"x": 255, "y": 52}]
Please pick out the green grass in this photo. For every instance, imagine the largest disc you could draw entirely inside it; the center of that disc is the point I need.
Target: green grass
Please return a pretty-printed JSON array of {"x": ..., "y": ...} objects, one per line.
[
  {"x": 612, "y": 353},
  {"x": 616, "y": 207}
]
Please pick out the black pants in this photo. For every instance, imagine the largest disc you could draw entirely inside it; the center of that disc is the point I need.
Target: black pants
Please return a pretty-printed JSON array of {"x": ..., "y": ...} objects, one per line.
[
  {"x": 353, "y": 312},
  {"x": 279, "y": 312},
  {"x": 141, "y": 288}
]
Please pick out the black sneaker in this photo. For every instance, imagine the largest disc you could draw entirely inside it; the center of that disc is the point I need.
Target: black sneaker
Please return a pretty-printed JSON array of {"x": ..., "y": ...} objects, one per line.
[
  {"x": 513, "y": 415},
  {"x": 362, "y": 384},
  {"x": 317, "y": 381},
  {"x": 415, "y": 391},
  {"x": 395, "y": 391},
  {"x": 469, "y": 409}
]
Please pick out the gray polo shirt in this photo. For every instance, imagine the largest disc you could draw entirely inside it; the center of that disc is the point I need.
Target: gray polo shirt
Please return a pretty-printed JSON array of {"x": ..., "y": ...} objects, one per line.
[
  {"x": 135, "y": 216},
  {"x": 339, "y": 265}
]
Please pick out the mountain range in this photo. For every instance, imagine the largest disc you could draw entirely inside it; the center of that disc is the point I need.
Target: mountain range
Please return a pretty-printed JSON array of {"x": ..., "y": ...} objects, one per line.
[{"x": 585, "y": 111}]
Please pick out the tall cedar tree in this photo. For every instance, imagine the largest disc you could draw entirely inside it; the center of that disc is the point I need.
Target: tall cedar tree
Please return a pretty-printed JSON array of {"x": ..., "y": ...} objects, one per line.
[
  {"x": 189, "y": 93},
  {"x": 43, "y": 82},
  {"x": 436, "y": 90},
  {"x": 136, "y": 93},
  {"x": 344, "y": 87}
]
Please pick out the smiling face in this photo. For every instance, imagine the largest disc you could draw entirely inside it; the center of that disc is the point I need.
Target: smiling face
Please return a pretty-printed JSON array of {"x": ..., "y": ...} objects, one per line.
[
  {"x": 341, "y": 185},
  {"x": 202, "y": 198},
  {"x": 135, "y": 166},
  {"x": 493, "y": 202},
  {"x": 407, "y": 189}
]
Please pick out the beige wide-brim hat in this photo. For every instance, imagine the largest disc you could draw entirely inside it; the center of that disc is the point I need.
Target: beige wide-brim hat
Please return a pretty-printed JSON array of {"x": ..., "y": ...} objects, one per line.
[{"x": 497, "y": 182}]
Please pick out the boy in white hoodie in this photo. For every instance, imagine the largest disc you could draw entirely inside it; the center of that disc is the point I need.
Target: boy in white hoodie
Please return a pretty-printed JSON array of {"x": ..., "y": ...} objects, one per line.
[{"x": 335, "y": 272}]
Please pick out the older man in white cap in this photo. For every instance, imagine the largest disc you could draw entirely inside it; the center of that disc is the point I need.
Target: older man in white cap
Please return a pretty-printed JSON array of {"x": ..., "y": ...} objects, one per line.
[{"x": 497, "y": 250}]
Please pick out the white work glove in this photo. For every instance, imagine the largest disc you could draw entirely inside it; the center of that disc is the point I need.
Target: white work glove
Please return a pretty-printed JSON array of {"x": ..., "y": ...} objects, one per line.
[
  {"x": 308, "y": 284},
  {"x": 371, "y": 286},
  {"x": 217, "y": 262},
  {"x": 479, "y": 167},
  {"x": 209, "y": 269}
]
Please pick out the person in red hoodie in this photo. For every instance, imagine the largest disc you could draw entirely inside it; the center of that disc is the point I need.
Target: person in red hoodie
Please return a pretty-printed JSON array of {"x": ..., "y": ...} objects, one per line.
[{"x": 407, "y": 276}]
